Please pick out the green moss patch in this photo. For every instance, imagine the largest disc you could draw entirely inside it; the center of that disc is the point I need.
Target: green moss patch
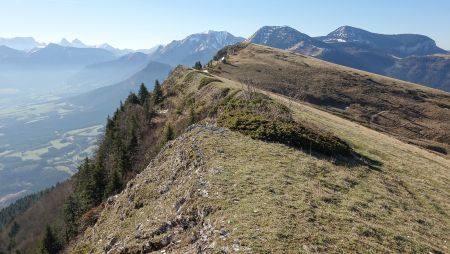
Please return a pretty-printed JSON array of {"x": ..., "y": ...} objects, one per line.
[
  {"x": 264, "y": 119},
  {"x": 207, "y": 80}
]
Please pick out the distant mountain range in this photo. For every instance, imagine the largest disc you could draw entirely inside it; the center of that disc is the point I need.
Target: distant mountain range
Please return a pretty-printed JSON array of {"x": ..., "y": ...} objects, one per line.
[
  {"x": 107, "y": 73},
  {"x": 196, "y": 47},
  {"x": 21, "y": 43},
  {"x": 29, "y": 44},
  {"x": 46, "y": 68},
  {"x": 410, "y": 57}
]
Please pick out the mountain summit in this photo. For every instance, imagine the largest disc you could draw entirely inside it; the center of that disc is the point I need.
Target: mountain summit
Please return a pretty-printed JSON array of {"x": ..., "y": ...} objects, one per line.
[
  {"x": 195, "y": 47},
  {"x": 285, "y": 37},
  {"x": 400, "y": 45},
  {"x": 21, "y": 43},
  {"x": 75, "y": 43}
]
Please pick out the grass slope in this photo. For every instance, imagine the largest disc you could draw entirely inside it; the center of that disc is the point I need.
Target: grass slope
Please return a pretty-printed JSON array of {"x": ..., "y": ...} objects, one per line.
[
  {"x": 414, "y": 113},
  {"x": 214, "y": 190}
]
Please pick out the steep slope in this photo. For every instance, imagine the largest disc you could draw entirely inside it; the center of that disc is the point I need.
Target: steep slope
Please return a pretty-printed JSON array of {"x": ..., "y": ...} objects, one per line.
[
  {"x": 48, "y": 209},
  {"x": 215, "y": 190},
  {"x": 433, "y": 70},
  {"x": 411, "y": 112},
  {"x": 195, "y": 47}
]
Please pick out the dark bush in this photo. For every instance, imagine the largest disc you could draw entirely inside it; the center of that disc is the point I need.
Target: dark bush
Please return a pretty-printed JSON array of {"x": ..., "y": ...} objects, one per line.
[
  {"x": 206, "y": 80},
  {"x": 231, "y": 49},
  {"x": 264, "y": 119}
]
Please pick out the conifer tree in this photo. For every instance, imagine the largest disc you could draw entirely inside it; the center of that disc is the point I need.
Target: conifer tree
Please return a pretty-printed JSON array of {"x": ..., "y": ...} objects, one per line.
[
  {"x": 121, "y": 107},
  {"x": 142, "y": 94},
  {"x": 132, "y": 146},
  {"x": 132, "y": 98},
  {"x": 70, "y": 217},
  {"x": 198, "y": 65},
  {"x": 98, "y": 183},
  {"x": 157, "y": 93},
  {"x": 109, "y": 123},
  {"x": 168, "y": 134},
  {"x": 115, "y": 184},
  {"x": 50, "y": 244},
  {"x": 148, "y": 108}
]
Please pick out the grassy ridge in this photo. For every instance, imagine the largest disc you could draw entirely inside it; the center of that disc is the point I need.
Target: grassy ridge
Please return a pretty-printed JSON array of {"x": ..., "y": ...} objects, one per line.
[{"x": 217, "y": 190}]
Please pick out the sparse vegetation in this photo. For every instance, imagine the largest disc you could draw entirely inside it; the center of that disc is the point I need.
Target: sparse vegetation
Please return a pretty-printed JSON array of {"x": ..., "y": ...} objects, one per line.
[
  {"x": 206, "y": 81},
  {"x": 262, "y": 118}
]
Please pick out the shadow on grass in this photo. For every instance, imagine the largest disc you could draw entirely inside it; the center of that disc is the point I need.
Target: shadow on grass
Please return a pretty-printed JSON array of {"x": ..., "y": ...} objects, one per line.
[
  {"x": 350, "y": 161},
  {"x": 359, "y": 160}
]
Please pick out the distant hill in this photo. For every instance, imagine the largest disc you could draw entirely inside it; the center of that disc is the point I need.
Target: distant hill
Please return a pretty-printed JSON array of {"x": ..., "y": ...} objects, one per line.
[
  {"x": 8, "y": 53},
  {"x": 21, "y": 43},
  {"x": 400, "y": 45},
  {"x": 107, "y": 73},
  {"x": 432, "y": 69},
  {"x": 285, "y": 37},
  {"x": 353, "y": 47},
  {"x": 195, "y": 47},
  {"x": 103, "y": 100},
  {"x": 46, "y": 68}
]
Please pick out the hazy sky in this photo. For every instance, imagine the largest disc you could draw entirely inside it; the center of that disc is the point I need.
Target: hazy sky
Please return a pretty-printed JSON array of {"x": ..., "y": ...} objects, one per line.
[{"x": 145, "y": 23}]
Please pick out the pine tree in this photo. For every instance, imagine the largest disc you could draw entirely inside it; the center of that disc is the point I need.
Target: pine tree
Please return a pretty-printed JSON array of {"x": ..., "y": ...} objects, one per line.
[
  {"x": 168, "y": 134},
  {"x": 132, "y": 146},
  {"x": 148, "y": 109},
  {"x": 142, "y": 94},
  {"x": 14, "y": 230},
  {"x": 50, "y": 244},
  {"x": 121, "y": 107},
  {"x": 109, "y": 123},
  {"x": 132, "y": 98},
  {"x": 70, "y": 217},
  {"x": 115, "y": 184},
  {"x": 157, "y": 93},
  {"x": 198, "y": 65},
  {"x": 98, "y": 183},
  {"x": 83, "y": 186}
]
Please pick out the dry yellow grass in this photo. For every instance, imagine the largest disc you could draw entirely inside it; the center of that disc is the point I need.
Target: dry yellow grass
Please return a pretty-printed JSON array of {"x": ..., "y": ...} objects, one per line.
[
  {"x": 213, "y": 190},
  {"x": 413, "y": 113}
]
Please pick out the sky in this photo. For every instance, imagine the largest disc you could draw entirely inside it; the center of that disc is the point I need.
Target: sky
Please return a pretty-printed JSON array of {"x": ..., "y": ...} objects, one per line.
[{"x": 139, "y": 24}]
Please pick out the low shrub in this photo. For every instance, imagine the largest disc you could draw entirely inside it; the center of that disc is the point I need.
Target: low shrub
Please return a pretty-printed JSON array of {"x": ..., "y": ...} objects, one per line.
[
  {"x": 207, "y": 80},
  {"x": 231, "y": 49},
  {"x": 265, "y": 119}
]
